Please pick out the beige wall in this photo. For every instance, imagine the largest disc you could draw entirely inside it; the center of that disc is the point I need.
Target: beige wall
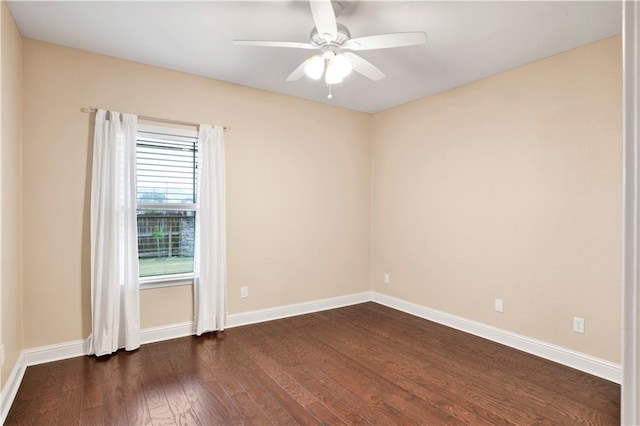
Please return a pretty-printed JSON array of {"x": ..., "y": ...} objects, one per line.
[
  {"x": 509, "y": 187},
  {"x": 298, "y": 176},
  {"x": 11, "y": 193}
]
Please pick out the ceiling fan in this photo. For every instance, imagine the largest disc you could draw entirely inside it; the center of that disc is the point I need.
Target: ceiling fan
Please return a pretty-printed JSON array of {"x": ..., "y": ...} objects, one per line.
[{"x": 336, "y": 60}]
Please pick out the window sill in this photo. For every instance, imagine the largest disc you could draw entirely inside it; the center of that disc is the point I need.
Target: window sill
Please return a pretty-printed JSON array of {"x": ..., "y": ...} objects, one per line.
[{"x": 166, "y": 281}]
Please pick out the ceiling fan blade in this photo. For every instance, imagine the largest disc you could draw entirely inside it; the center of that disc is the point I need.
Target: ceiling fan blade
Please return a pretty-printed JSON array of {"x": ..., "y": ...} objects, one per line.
[
  {"x": 266, "y": 43},
  {"x": 364, "y": 67},
  {"x": 324, "y": 19},
  {"x": 298, "y": 73},
  {"x": 385, "y": 41}
]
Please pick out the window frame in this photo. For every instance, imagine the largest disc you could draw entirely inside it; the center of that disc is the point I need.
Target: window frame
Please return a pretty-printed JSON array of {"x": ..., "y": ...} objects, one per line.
[{"x": 167, "y": 280}]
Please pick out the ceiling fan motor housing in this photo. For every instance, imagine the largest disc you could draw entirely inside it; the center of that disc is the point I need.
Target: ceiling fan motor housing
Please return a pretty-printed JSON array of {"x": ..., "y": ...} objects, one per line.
[{"x": 318, "y": 40}]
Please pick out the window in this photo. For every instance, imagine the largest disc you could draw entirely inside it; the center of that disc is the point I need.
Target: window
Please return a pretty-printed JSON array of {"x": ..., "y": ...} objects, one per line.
[{"x": 166, "y": 193}]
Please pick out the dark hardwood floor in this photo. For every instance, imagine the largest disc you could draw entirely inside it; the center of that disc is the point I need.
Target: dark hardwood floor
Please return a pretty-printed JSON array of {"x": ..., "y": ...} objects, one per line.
[{"x": 361, "y": 364}]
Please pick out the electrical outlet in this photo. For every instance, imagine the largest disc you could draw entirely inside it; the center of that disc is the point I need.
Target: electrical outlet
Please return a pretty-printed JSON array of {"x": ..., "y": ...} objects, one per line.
[
  {"x": 578, "y": 325},
  {"x": 387, "y": 278},
  {"x": 244, "y": 292},
  {"x": 499, "y": 305}
]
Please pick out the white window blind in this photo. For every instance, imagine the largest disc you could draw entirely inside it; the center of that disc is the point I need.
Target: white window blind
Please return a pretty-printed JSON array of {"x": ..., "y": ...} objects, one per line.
[{"x": 166, "y": 168}]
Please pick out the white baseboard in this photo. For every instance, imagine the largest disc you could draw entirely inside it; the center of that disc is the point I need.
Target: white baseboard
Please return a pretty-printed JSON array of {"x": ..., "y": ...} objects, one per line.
[
  {"x": 579, "y": 361},
  {"x": 10, "y": 388},
  {"x": 262, "y": 315},
  {"x": 55, "y": 352},
  {"x": 166, "y": 332},
  {"x": 66, "y": 350},
  {"x": 58, "y": 351}
]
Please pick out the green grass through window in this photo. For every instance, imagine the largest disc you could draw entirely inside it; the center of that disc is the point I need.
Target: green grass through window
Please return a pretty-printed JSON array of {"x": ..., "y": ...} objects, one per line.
[{"x": 165, "y": 266}]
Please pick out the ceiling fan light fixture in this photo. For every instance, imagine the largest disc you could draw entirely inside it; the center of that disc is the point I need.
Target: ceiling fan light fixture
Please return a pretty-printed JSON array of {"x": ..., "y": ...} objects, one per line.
[
  {"x": 330, "y": 37},
  {"x": 314, "y": 67}
]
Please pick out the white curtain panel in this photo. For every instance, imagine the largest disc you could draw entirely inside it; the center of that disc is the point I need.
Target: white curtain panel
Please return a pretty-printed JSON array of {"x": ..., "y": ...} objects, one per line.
[
  {"x": 210, "y": 265},
  {"x": 115, "y": 299}
]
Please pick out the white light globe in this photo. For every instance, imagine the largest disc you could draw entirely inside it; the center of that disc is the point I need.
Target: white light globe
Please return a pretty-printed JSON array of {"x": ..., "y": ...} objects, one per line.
[
  {"x": 333, "y": 74},
  {"x": 343, "y": 64},
  {"x": 314, "y": 67}
]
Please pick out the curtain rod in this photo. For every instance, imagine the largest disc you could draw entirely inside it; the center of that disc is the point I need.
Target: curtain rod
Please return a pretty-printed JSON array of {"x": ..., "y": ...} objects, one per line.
[{"x": 88, "y": 110}]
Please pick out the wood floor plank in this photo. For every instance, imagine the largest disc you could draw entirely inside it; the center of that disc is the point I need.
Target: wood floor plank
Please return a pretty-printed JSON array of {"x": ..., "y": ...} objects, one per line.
[
  {"x": 33, "y": 377},
  {"x": 254, "y": 405},
  {"x": 294, "y": 388},
  {"x": 95, "y": 376},
  {"x": 251, "y": 412},
  {"x": 153, "y": 391},
  {"x": 75, "y": 370},
  {"x": 286, "y": 402},
  {"x": 174, "y": 392},
  {"x": 22, "y": 412},
  {"x": 203, "y": 402},
  {"x": 362, "y": 364},
  {"x": 332, "y": 395},
  {"x": 114, "y": 401},
  {"x": 70, "y": 407},
  {"x": 380, "y": 391},
  {"x": 92, "y": 416},
  {"x": 236, "y": 390},
  {"x": 133, "y": 392}
]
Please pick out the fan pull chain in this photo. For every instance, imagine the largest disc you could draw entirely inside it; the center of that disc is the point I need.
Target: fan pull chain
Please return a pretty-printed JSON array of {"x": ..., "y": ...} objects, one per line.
[{"x": 330, "y": 95}]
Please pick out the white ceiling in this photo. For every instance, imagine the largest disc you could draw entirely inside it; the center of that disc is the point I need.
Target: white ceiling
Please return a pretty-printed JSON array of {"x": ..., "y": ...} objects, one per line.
[{"x": 466, "y": 40}]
